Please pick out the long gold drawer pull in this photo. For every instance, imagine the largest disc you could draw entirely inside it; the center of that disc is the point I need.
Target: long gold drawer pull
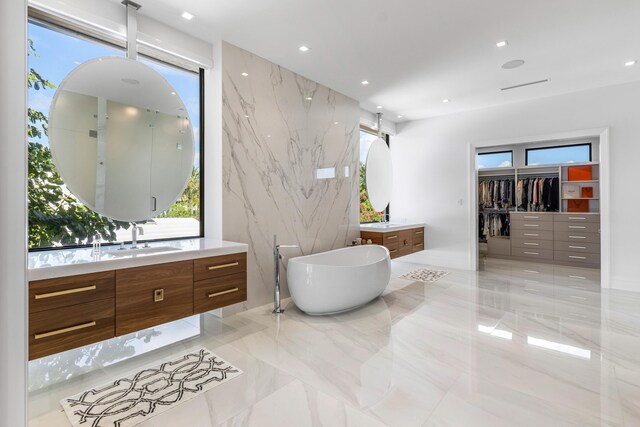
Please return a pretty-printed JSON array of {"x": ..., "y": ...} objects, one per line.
[
  {"x": 65, "y": 292},
  {"x": 532, "y": 225},
  {"x": 577, "y": 247},
  {"x": 418, "y": 244},
  {"x": 580, "y": 227},
  {"x": 419, "y": 232},
  {"x": 531, "y": 217},
  {"x": 577, "y": 218},
  {"x": 531, "y": 234},
  {"x": 532, "y": 244},
  {"x": 577, "y": 257},
  {"x": 228, "y": 291},
  {"x": 532, "y": 253},
  {"x": 392, "y": 251},
  {"x": 577, "y": 237},
  {"x": 216, "y": 267},
  {"x": 392, "y": 237},
  {"x": 64, "y": 330}
]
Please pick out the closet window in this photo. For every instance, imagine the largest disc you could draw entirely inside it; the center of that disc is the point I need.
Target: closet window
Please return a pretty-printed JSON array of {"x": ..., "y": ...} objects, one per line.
[
  {"x": 559, "y": 154},
  {"x": 56, "y": 217},
  {"x": 495, "y": 159}
]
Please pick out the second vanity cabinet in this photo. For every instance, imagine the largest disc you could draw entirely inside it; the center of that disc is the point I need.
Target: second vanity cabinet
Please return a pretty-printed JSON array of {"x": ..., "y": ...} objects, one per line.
[
  {"x": 73, "y": 311},
  {"x": 399, "y": 242}
]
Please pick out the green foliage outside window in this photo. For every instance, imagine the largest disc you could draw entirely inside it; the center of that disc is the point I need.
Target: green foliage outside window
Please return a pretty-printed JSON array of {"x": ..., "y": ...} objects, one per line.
[
  {"x": 56, "y": 217},
  {"x": 367, "y": 213}
]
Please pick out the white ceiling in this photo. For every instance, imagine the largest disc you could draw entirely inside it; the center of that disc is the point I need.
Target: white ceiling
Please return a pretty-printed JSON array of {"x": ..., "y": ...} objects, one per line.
[{"x": 415, "y": 53}]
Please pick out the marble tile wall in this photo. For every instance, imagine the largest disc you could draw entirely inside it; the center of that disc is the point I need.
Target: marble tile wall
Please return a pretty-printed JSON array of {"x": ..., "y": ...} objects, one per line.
[{"x": 279, "y": 128}]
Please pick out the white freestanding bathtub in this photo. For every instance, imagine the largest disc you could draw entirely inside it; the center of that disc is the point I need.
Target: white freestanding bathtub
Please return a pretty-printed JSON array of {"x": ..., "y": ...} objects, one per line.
[{"x": 338, "y": 280}]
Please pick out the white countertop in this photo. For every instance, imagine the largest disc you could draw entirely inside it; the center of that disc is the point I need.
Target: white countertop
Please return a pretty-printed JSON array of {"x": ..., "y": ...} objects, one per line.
[
  {"x": 70, "y": 262},
  {"x": 381, "y": 227}
]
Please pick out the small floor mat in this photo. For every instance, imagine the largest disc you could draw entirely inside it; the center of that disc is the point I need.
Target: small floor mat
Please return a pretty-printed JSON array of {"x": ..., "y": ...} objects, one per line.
[
  {"x": 136, "y": 398},
  {"x": 424, "y": 275}
]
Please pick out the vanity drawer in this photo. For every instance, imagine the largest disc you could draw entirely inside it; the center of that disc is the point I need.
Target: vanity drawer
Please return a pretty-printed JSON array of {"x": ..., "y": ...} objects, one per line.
[
  {"x": 61, "y": 329},
  {"x": 376, "y": 238},
  {"x": 532, "y": 244},
  {"x": 393, "y": 250},
  {"x": 152, "y": 295},
  {"x": 418, "y": 234},
  {"x": 531, "y": 217},
  {"x": 418, "y": 246},
  {"x": 532, "y": 253},
  {"x": 65, "y": 291},
  {"x": 532, "y": 234},
  {"x": 390, "y": 238},
  {"x": 219, "y": 292},
  {"x": 593, "y": 248},
  {"x": 577, "y": 257},
  {"x": 531, "y": 225},
  {"x": 208, "y": 268},
  {"x": 577, "y": 218},
  {"x": 405, "y": 246},
  {"x": 572, "y": 236},
  {"x": 587, "y": 227}
]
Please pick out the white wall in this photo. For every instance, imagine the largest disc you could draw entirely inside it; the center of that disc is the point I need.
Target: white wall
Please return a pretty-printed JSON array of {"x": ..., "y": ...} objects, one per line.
[
  {"x": 432, "y": 173},
  {"x": 13, "y": 228}
]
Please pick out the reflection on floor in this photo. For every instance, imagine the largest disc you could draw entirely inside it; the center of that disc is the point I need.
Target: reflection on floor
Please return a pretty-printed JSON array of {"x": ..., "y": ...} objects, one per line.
[{"x": 516, "y": 344}]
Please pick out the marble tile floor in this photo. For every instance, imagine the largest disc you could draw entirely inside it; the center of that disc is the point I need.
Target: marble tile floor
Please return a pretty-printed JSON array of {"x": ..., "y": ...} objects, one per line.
[{"x": 515, "y": 344}]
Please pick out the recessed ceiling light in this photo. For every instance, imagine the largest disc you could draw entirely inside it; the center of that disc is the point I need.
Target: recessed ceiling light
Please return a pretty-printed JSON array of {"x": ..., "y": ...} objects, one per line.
[
  {"x": 630, "y": 63},
  {"x": 186, "y": 15},
  {"x": 246, "y": 116},
  {"x": 510, "y": 65},
  {"x": 303, "y": 48},
  {"x": 400, "y": 117},
  {"x": 245, "y": 74},
  {"x": 335, "y": 123},
  {"x": 502, "y": 43},
  {"x": 365, "y": 82},
  {"x": 173, "y": 93},
  {"x": 308, "y": 98},
  {"x": 379, "y": 107},
  {"x": 446, "y": 100}
]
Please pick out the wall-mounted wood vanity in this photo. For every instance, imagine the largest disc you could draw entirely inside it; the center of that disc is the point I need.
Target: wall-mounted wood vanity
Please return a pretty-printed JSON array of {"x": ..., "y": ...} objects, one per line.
[
  {"x": 401, "y": 240},
  {"x": 72, "y": 310}
]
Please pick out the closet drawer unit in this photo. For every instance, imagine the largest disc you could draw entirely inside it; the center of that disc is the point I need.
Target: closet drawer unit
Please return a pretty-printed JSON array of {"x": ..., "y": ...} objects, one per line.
[
  {"x": 577, "y": 218},
  {"x": 219, "y": 292},
  {"x": 587, "y": 227},
  {"x": 577, "y": 257},
  {"x": 531, "y": 234},
  {"x": 208, "y": 268},
  {"x": 532, "y": 253},
  {"x": 532, "y": 244},
  {"x": 531, "y": 217},
  {"x": 498, "y": 246},
  {"x": 571, "y": 236},
  {"x": 519, "y": 224},
  {"x": 61, "y": 329},
  {"x": 390, "y": 238},
  {"x": 592, "y": 248},
  {"x": 65, "y": 291},
  {"x": 153, "y": 295}
]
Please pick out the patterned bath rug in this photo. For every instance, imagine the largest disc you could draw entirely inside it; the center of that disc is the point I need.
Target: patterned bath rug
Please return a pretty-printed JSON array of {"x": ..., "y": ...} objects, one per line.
[
  {"x": 136, "y": 398},
  {"x": 425, "y": 275}
]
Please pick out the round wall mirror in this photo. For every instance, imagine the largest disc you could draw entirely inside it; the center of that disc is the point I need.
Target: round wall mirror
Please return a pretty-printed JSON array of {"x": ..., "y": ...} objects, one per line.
[
  {"x": 379, "y": 175},
  {"x": 121, "y": 138}
]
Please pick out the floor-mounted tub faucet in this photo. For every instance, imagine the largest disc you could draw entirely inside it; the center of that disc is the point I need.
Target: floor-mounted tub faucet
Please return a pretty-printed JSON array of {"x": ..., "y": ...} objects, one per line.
[{"x": 277, "y": 308}]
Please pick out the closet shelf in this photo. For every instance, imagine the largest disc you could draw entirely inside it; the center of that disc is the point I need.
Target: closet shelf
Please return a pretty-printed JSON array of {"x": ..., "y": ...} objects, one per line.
[{"x": 580, "y": 198}]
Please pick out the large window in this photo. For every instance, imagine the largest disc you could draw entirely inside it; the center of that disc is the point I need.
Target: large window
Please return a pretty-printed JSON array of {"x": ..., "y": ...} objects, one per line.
[
  {"x": 576, "y": 153},
  {"x": 367, "y": 213},
  {"x": 496, "y": 159},
  {"x": 56, "y": 217}
]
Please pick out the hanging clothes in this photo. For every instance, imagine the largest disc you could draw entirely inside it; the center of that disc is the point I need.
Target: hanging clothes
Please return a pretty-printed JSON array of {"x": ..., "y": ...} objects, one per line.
[
  {"x": 497, "y": 194},
  {"x": 493, "y": 224},
  {"x": 538, "y": 194}
]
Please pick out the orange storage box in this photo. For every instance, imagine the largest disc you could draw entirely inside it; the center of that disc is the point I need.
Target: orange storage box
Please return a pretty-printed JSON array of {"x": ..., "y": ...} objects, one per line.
[
  {"x": 587, "y": 192},
  {"x": 577, "y": 205},
  {"x": 580, "y": 173}
]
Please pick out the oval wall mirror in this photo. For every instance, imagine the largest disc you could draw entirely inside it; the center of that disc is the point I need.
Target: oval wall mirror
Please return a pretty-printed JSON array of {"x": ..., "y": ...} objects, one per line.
[
  {"x": 121, "y": 138},
  {"x": 379, "y": 175}
]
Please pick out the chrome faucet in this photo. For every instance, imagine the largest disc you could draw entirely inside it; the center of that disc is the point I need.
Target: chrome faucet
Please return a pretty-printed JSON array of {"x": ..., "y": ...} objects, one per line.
[
  {"x": 134, "y": 235},
  {"x": 277, "y": 307}
]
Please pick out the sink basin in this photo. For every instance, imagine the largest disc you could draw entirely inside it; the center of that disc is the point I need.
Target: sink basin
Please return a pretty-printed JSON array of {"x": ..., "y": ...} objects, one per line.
[
  {"x": 381, "y": 225},
  {"x": 141, "y": 251}
]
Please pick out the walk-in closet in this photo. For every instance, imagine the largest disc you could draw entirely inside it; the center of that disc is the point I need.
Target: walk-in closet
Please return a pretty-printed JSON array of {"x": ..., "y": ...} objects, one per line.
[{"x": 540, "y": 202}]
